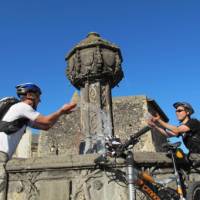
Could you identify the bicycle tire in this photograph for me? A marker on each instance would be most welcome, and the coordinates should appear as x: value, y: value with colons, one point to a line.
x: 168, y: 194
x: 193, y: 191
x: 140, y: 195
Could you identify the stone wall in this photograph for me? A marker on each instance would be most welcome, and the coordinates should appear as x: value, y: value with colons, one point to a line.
x: 76, y: 177
x: 63, y: 138
x: 129, y: 116
x: 60, y: 173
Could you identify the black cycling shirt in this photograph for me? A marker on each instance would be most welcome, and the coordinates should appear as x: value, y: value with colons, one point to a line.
x: 191, y: 138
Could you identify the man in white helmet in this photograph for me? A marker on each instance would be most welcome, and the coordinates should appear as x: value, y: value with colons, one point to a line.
x: 24, y: 114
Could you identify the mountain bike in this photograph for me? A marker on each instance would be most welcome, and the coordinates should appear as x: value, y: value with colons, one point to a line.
x: 141, y: 184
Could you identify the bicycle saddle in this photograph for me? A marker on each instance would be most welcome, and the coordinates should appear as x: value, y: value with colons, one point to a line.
x: 171, y: 146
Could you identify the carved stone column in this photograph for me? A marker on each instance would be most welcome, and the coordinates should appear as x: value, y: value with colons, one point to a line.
x: 94, y: 67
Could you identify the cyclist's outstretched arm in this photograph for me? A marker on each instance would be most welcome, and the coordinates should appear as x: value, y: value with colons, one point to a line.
x: 46, y: 122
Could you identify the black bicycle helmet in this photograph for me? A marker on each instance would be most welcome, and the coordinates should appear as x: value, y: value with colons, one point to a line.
x: 185, y: 105
x: 22, y: 89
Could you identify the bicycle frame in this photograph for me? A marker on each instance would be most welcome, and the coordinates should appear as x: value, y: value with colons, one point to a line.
x: 136, y: 177
x: 178, y: 180
x: 132, y: 179
x: 142, y: 180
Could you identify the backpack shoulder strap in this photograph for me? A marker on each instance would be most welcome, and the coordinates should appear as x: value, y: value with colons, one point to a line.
x: 12, y: 127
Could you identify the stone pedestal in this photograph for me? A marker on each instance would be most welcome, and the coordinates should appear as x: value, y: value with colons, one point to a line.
x: 96, y: 116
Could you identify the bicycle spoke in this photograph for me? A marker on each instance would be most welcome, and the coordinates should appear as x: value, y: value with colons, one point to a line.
x: 141, y: 196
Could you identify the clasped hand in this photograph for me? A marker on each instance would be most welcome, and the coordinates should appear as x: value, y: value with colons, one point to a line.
x: 153, y: 119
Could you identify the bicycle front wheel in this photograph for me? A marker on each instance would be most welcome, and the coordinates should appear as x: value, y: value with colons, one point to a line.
x: 193, y: 192
x: 139, y: 195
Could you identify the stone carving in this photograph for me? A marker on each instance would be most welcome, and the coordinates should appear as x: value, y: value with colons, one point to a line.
x: 93, y: 93
x: 27, y: 184
x: 82, y: 187
x: 97, y: 60
x: 94, y: 59
x: 95, y: 185
x: 77, y: 63
x: 103, y: 99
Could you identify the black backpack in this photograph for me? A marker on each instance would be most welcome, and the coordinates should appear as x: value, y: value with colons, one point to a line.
x: 14, y: 126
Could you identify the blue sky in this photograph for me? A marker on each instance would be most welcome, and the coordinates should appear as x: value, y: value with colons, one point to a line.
x: 159, y: 40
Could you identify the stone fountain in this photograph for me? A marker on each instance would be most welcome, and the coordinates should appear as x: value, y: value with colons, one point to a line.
x: 94, y: 67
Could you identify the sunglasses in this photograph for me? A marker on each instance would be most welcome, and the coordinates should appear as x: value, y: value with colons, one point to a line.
x: 179, y: 110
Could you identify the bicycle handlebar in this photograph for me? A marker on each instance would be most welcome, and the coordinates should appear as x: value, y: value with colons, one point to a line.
x: 117, y: 150
x: 133, y: 139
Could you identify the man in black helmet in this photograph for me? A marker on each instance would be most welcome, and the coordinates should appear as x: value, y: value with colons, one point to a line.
x: 29, y: 95
x: 189, y: 128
